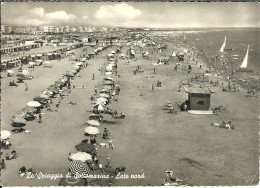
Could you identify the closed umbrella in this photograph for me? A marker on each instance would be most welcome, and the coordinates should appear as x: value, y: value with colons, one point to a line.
x: 85, y: 147
x: 81, y: 156
x: 91, y: 130
x: 5, y: 134
x: 93, y: 122
x: 34, y: 104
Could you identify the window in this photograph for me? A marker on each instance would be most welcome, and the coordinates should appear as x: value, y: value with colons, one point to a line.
x: 200, y: 102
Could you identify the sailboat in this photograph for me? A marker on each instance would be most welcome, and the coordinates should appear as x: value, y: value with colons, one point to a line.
x: 223, y: 45
x: 243, y: 66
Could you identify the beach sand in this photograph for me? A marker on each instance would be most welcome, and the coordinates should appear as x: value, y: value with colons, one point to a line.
x: 149, y: 140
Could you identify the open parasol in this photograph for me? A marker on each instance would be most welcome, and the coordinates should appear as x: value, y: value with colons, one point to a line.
x: 91, y: 130
x: 93, y: 122
x: 5, y: 134
x: 80, y: 156
x: 85, y: 147
x: 34, y: 104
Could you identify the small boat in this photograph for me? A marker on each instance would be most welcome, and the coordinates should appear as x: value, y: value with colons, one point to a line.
x: 243, y: 66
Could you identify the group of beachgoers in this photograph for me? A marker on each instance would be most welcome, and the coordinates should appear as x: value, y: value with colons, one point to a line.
x: 99, y: 101
x: 48, y: 100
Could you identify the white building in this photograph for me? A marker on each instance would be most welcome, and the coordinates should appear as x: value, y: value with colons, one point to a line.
x: 48, y: 29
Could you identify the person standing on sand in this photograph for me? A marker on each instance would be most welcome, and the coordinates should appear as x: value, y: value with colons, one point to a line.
x: 26, y: 87
x: 152, y: 87
x: 40, y: 118
x: 93, y: 77
x: 154, y: 70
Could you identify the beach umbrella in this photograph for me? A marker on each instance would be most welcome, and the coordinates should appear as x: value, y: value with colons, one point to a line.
x: 59, y: 83
x: 31, y: 63
x: 79, y: 64
x: 103, y: 95
x: 53, y: 90
x: 39, y: 99
x: 20, y: 76
x: 91, y: 130
x: 34, y: 104
x: 108, y: 78
x: 109, y: 81
x: 25, y: 72
x: 109, y: 68
x: 101, y: 99
x: 85, y: 147
x: 108, y: 73
x: 72, y: 182
x: 47, y: 93
x: 69, y: 74
x: 76, y: 67
x: 81, y: 156
x: 100, y: 107
x: 93, y: 122
x: 108, y: 86
x: 5, y: 134
x: 10, y: 71
x: 44, y: 96
x: 19, y: 122
x: 78, y: 167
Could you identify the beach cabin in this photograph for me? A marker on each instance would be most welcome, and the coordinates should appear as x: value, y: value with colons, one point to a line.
x: 198, y: 98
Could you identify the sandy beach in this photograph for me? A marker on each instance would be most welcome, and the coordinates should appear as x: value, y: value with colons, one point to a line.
x: 149, y: 140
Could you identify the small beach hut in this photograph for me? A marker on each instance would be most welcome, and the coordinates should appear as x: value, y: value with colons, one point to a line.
x: 198, y: 98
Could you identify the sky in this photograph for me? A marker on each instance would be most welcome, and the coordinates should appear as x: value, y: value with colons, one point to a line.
x: 133, y: 14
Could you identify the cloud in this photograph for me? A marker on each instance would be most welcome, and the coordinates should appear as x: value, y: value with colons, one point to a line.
x: 37, y: 16
x: 84, y: 17
x: 59, y: 16
x: 37, y: 12
x: 119, y: 12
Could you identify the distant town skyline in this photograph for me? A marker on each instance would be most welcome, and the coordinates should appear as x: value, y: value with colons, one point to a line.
x: 132, y: 14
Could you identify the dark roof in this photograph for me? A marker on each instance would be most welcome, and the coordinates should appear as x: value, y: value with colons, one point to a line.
x: 204, y: 90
